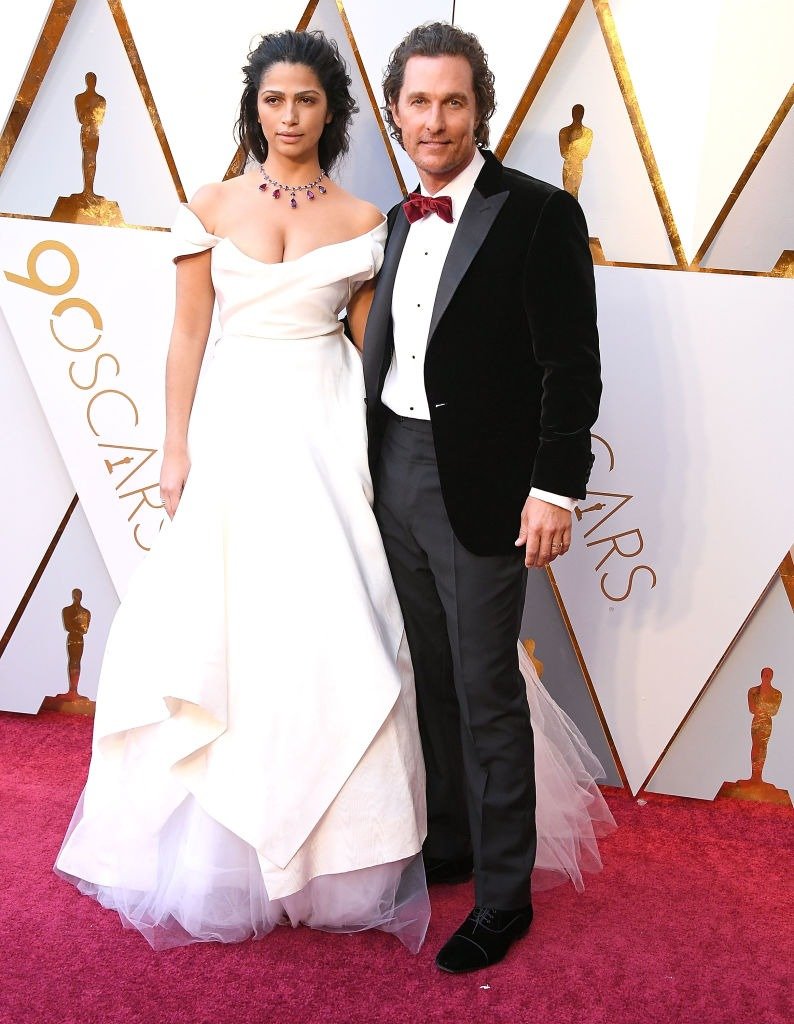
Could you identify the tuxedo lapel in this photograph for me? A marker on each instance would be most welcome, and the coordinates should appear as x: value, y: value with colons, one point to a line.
x: 478, y: 215
x: 378, y: 329
x: 481, y: 210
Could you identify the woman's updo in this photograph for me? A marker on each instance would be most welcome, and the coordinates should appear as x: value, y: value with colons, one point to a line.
x: 314, y: 50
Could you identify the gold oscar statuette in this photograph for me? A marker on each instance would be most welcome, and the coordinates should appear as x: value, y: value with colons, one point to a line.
x: 87, y: 207
x: 575, y: 142
x: 576, y: 139
x: 529, y: 647
x: 764, y: 703
x: 76, y: 621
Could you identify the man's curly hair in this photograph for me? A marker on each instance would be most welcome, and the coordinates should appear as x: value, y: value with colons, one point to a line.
x: 439, y: 39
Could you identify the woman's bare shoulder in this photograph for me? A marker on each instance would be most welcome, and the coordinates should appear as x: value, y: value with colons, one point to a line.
x: 209, y: 201
x: 361, y: 215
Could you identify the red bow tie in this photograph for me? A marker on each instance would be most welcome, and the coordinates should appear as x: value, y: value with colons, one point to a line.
x: 417, y: 206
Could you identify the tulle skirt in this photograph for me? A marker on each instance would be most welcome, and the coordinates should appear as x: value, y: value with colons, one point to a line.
x: 571, y: 813
x: 256, y: 756
x: 210, y: 888
x: 209, y: 884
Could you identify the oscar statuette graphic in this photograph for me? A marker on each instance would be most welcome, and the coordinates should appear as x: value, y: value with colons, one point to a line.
x: 575, y: 142
x: 87, y: 207
x: 529, y: 647
x: 764, y: 703
x: 76, y: 620
x: 598, y: 507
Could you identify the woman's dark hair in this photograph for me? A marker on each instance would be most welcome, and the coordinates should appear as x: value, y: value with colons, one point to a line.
x: 438, y: 39
x: 315, y: 51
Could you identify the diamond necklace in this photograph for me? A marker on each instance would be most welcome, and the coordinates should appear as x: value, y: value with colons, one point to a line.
x: 279, y: 187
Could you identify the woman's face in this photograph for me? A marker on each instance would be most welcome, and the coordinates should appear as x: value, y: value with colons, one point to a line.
x: 292, y: 109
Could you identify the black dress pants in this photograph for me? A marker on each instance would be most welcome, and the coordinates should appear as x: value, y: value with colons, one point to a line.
x: 462, y: 618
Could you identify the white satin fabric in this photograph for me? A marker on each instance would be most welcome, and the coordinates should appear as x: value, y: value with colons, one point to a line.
x: 255, y: 724
x: 256, y: 758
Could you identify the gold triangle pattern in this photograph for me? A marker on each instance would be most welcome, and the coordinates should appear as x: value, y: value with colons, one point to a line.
x: 54, y: 28
x: 45, y: 559
x: 707, y: 683
x: 55, y: 25
x: 787, y: 576
x: 744, y: 177
x: 370, y: 95
x: 538, y: 77
x: 588, y: 680
x: 612, y: 40
x: 47, y: 45
x: 131, y: 50
x: 607, y: 23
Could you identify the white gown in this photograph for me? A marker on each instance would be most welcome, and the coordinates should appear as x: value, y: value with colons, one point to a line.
x: 255, y: 757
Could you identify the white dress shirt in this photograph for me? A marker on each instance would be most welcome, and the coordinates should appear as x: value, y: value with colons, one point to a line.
x: 415, y: 287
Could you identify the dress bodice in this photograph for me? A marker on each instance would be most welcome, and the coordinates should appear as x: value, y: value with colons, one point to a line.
x: 293, y: 300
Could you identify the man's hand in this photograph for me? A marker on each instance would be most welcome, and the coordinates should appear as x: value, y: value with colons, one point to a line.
x: 546, y: 531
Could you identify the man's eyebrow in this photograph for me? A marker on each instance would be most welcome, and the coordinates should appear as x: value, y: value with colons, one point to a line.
x: 447, y: 96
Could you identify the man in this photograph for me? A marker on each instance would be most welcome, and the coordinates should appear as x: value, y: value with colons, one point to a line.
x: 482, y: 372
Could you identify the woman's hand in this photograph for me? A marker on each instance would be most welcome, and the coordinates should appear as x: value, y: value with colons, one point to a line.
x: 173, y: 475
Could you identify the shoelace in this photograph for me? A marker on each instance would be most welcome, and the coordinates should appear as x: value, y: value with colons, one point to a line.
x: 482, y: 916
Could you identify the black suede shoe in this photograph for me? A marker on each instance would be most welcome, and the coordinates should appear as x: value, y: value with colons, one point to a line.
x: 439, y: 871
x: 483, y: 939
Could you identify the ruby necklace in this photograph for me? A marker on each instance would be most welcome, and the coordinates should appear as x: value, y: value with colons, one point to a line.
x: 279, y: 187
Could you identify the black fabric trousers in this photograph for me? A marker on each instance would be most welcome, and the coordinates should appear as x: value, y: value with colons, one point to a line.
x: 462, y: 618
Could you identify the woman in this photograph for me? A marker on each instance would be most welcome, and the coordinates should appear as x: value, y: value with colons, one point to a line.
x: 256, y: 758
x: 255, y: 752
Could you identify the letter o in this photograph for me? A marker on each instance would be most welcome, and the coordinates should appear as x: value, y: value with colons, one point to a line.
x: 87, y: 307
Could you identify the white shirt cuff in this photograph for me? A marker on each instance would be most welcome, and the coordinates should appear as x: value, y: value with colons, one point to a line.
x: 553, y: 499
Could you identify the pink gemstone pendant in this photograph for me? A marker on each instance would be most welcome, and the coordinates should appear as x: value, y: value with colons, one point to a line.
x: 275, y: 188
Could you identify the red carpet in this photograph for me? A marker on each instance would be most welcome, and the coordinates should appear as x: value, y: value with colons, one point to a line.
x: 691, y: 921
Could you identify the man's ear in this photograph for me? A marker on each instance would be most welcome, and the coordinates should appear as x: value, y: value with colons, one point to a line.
x: 394, y: 115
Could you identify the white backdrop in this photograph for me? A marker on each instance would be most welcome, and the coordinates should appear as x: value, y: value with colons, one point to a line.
x: 95, y: 352
x: 690, y: 108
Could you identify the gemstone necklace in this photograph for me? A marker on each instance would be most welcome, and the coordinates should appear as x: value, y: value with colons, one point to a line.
x: 279, y: 187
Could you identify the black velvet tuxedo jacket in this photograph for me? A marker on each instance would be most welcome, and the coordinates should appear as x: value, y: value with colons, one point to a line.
x: 512, y: 370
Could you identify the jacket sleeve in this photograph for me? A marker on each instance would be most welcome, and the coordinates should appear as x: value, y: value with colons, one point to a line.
x: 560, y: 302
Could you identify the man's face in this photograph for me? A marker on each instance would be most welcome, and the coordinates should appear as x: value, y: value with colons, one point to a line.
x: 437, y: 114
